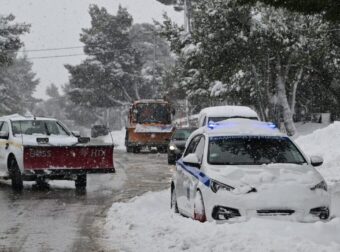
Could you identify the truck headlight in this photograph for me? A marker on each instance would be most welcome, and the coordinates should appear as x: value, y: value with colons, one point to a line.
x: 172, y: 147
x: 322, y: 185
x: 215, y: 186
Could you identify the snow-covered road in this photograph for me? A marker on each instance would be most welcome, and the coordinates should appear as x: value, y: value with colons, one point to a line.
x: 61, y: 220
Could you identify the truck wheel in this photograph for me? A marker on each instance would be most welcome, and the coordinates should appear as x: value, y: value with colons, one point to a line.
x: 15, y: 175
x: 136, y: 149
x: 80, y: 182
x: 129, y: 149
x: 163, y: 149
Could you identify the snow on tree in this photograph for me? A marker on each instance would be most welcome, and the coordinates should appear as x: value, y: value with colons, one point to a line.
x: 253, y: 55
x: 109, y: 76
x: 328, y: 8
x: 17, y: 81
x: 125, y: 62
x: 10, y: 42
x: 17, y: 85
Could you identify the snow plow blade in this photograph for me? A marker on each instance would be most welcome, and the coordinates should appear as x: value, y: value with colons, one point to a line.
x: 91, y: 159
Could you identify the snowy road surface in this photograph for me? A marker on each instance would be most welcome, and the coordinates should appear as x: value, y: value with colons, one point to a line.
x: 60, y: 220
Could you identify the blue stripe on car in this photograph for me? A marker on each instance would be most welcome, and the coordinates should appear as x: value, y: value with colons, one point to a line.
x: 196, y: 173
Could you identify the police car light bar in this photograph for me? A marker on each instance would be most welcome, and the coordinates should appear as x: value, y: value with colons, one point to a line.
x: 213, y: 125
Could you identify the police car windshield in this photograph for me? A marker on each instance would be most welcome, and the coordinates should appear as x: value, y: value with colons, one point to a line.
x: 38, y: 127
x: 252, y: 150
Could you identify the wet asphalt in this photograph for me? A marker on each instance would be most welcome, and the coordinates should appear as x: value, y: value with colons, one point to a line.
x: 62, y: 219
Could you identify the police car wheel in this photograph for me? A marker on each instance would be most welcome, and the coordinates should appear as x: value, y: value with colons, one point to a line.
x: 173, y: 203
x: 15, y: 174
x: 199, y: 210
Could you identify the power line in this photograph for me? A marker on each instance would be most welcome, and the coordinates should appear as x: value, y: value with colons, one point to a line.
x: 57, y: 56
x: 52, y: 49
x: 23, y: 50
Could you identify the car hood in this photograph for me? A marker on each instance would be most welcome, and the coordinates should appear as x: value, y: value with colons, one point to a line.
x: 244, y: 178
x: 53, y: 140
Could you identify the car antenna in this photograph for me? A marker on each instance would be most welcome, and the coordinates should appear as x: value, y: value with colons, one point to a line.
x: 111, y: 137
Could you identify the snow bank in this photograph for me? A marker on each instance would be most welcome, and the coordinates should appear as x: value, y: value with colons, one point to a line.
x: 326, y: 143
x: 147, y: 224
x: 118, y: 138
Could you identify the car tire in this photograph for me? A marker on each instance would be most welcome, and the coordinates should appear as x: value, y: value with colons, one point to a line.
x: 81, y: 182
x: 173, y: 201
x: 171, y: 161
x: 162, y: 149
x: 129, y: 149
x: 15, y: 175
x: 199, y: 210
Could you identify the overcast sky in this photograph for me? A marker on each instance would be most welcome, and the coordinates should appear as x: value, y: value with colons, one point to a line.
x: 58, y: 23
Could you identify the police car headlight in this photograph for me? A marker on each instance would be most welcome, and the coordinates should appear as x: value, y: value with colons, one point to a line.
x: 172, y: 147
x: 322, y: 185
x: 215, y: 186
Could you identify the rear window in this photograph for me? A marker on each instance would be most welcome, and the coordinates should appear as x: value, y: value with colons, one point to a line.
x: 182, y: 134
x: 222, y: 118
x: 252, y: 150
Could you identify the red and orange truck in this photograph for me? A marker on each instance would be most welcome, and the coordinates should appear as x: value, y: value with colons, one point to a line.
x: 149, y: 125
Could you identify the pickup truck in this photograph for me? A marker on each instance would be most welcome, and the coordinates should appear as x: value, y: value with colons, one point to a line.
x: 39, y: 149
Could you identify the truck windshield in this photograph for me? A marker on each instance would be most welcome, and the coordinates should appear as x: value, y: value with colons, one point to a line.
x: 252, y: 150
x: 38, y: 127
x: 153, y: 113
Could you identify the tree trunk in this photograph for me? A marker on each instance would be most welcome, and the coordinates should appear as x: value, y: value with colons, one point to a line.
x: 259, y: 94
x: 295, y: 85
x: 283, y: 101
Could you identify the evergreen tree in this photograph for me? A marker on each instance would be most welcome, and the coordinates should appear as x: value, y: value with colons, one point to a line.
x: 110, y: 75
x: 252, y: 55
x: 17, y: 85
x: 10, y: 42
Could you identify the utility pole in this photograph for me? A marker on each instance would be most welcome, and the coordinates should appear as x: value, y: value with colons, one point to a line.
x: 187, y: 27
x: 187, y: 15
x: 154, y: 64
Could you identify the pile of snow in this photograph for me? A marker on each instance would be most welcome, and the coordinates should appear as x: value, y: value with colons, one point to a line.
x: 118, y: 138
x: 228, y: 111
x: 307, y: 128
x: 147, y: 224
x: 326, y: 143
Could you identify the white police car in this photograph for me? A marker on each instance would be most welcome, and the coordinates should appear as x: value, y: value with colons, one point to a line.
x: 239, y: 168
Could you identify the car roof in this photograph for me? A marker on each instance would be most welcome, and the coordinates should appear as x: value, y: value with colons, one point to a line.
x: 17, y: 117
x: 239, y: 127
x: 229, y: 111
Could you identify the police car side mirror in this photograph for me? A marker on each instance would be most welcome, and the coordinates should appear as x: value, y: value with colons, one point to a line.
x: 316, y: 160
x: 192, y: 160
x: 4, y: 135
